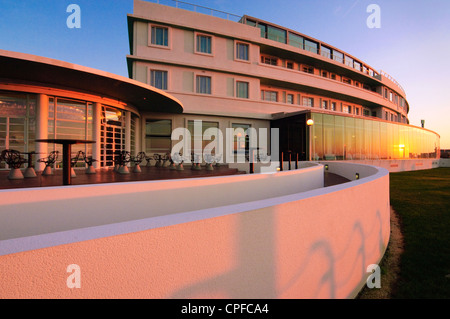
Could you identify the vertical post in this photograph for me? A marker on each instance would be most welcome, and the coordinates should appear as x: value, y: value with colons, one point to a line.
x: 67, y: 147
x: 281, y: 161
x: 296, y: 162
x: 290, y: 153
x: 41, y: 129
x: 96, y: 131
x: 252, y: 167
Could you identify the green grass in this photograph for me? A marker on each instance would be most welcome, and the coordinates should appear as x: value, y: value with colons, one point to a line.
x: 422, y: 201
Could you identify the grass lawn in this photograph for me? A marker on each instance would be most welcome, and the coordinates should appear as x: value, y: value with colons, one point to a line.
x: 422, y: 201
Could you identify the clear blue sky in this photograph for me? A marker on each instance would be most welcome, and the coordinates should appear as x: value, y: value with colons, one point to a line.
x: 412, y: 45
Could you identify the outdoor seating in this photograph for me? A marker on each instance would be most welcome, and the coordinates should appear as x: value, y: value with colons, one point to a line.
x: 80, y: 156
x: 121, y: 160
x: 196, y: 164
x: 149, y: 158
x: 14, y: 160
x: 49, y: 161
x: 209, y: 159
x: 137, y: 160
x: 90, y: 161
x: 177, y: 161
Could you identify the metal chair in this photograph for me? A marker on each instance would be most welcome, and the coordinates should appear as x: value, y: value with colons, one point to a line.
x: 121, y: 160
x: 74, y: 160
x: 90, y: 161
x: 14, y: 160
x: 137, y: 160
x: 49, y: 161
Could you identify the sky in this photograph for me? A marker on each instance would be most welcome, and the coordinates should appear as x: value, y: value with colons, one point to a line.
x: 412, y: 43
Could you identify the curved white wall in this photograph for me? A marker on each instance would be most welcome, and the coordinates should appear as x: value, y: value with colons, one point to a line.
x: 308, y: 244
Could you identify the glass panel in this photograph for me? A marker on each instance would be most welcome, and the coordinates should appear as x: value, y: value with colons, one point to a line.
x: 158, y: 79
x: 338, y: 56
x: 350, y: 139
x: 160, y: 36
x: 317, y: 136
x: 311, y: 46
x: 204, y: 44
x: 295, y: 40
x: 242, y: 51
x: 242, y: 89
x: 276, y: 34
x: 329, y: 145
x: 204, y: 84
x: 326, y: 52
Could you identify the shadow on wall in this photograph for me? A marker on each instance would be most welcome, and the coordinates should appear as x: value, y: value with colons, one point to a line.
x: 316, y: 269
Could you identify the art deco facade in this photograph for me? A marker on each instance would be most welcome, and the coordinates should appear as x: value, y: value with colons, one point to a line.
x: 252, y: 73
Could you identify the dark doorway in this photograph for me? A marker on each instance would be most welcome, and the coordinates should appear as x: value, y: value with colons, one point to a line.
x: 293, y: 136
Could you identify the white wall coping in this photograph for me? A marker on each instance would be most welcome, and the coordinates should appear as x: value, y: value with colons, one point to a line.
x: 15, y: 245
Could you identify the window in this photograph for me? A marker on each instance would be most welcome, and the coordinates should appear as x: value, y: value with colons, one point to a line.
x: 295, y: 40
x: 366, y: 112
x: 158, y: 136
x: 325, y: 74
x: 290, y: 65
x: 269, y: 60
x: 333, y: 76
x: 311, y: 46
x: 203, y: 84
x: 160, y: 36
x: 345, y: 80
x: 276, y: 34
x: 338, y: 56
x: 347, y: 109
x: 204, y: 44
x: 269, y: 96
x: 290, y: 99
x: 348, y: 61
x: 325, y: 105
x: 308, y: 101
x: 158, y: 79
x: 308, y: 69
x: 326, y: 52
x: 333, y: 106
x: 241, y: 137
x: 242, y: 51
x: 242, y: 89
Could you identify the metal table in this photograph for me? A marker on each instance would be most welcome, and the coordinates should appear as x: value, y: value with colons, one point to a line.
x: 67, y: 150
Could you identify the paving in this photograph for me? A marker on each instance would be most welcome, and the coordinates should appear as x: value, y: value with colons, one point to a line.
x: 147, y: 174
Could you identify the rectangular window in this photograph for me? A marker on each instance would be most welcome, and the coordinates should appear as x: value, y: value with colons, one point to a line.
x: 308, y: 69
x: 311, y: 46
x: 276, y: 34
x: 325, y: 74
x: 271, y: 96
x: 308, y: 101
x: 290, y: 65
x: 158, y: 136
x: 160, y: 36
x: 366, y: 112
x: 204, y: 44
x: 295, y: 40
x: 325, y: 105
x: 348, y: 61
x: 345, y: 80
x: 269, y: 60
x: 333, y: 106
x: 242, y: 89
x: 338, y: 56
x: 158, y: 79
x: 242, y: 51
x: 290, y: 98
x: 326, y: 52
x: 203, y: 84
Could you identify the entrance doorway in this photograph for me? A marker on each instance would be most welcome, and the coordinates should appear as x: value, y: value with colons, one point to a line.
x: 112, y: 136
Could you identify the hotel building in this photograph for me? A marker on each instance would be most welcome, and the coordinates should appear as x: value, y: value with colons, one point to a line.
x: 253, y: 73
